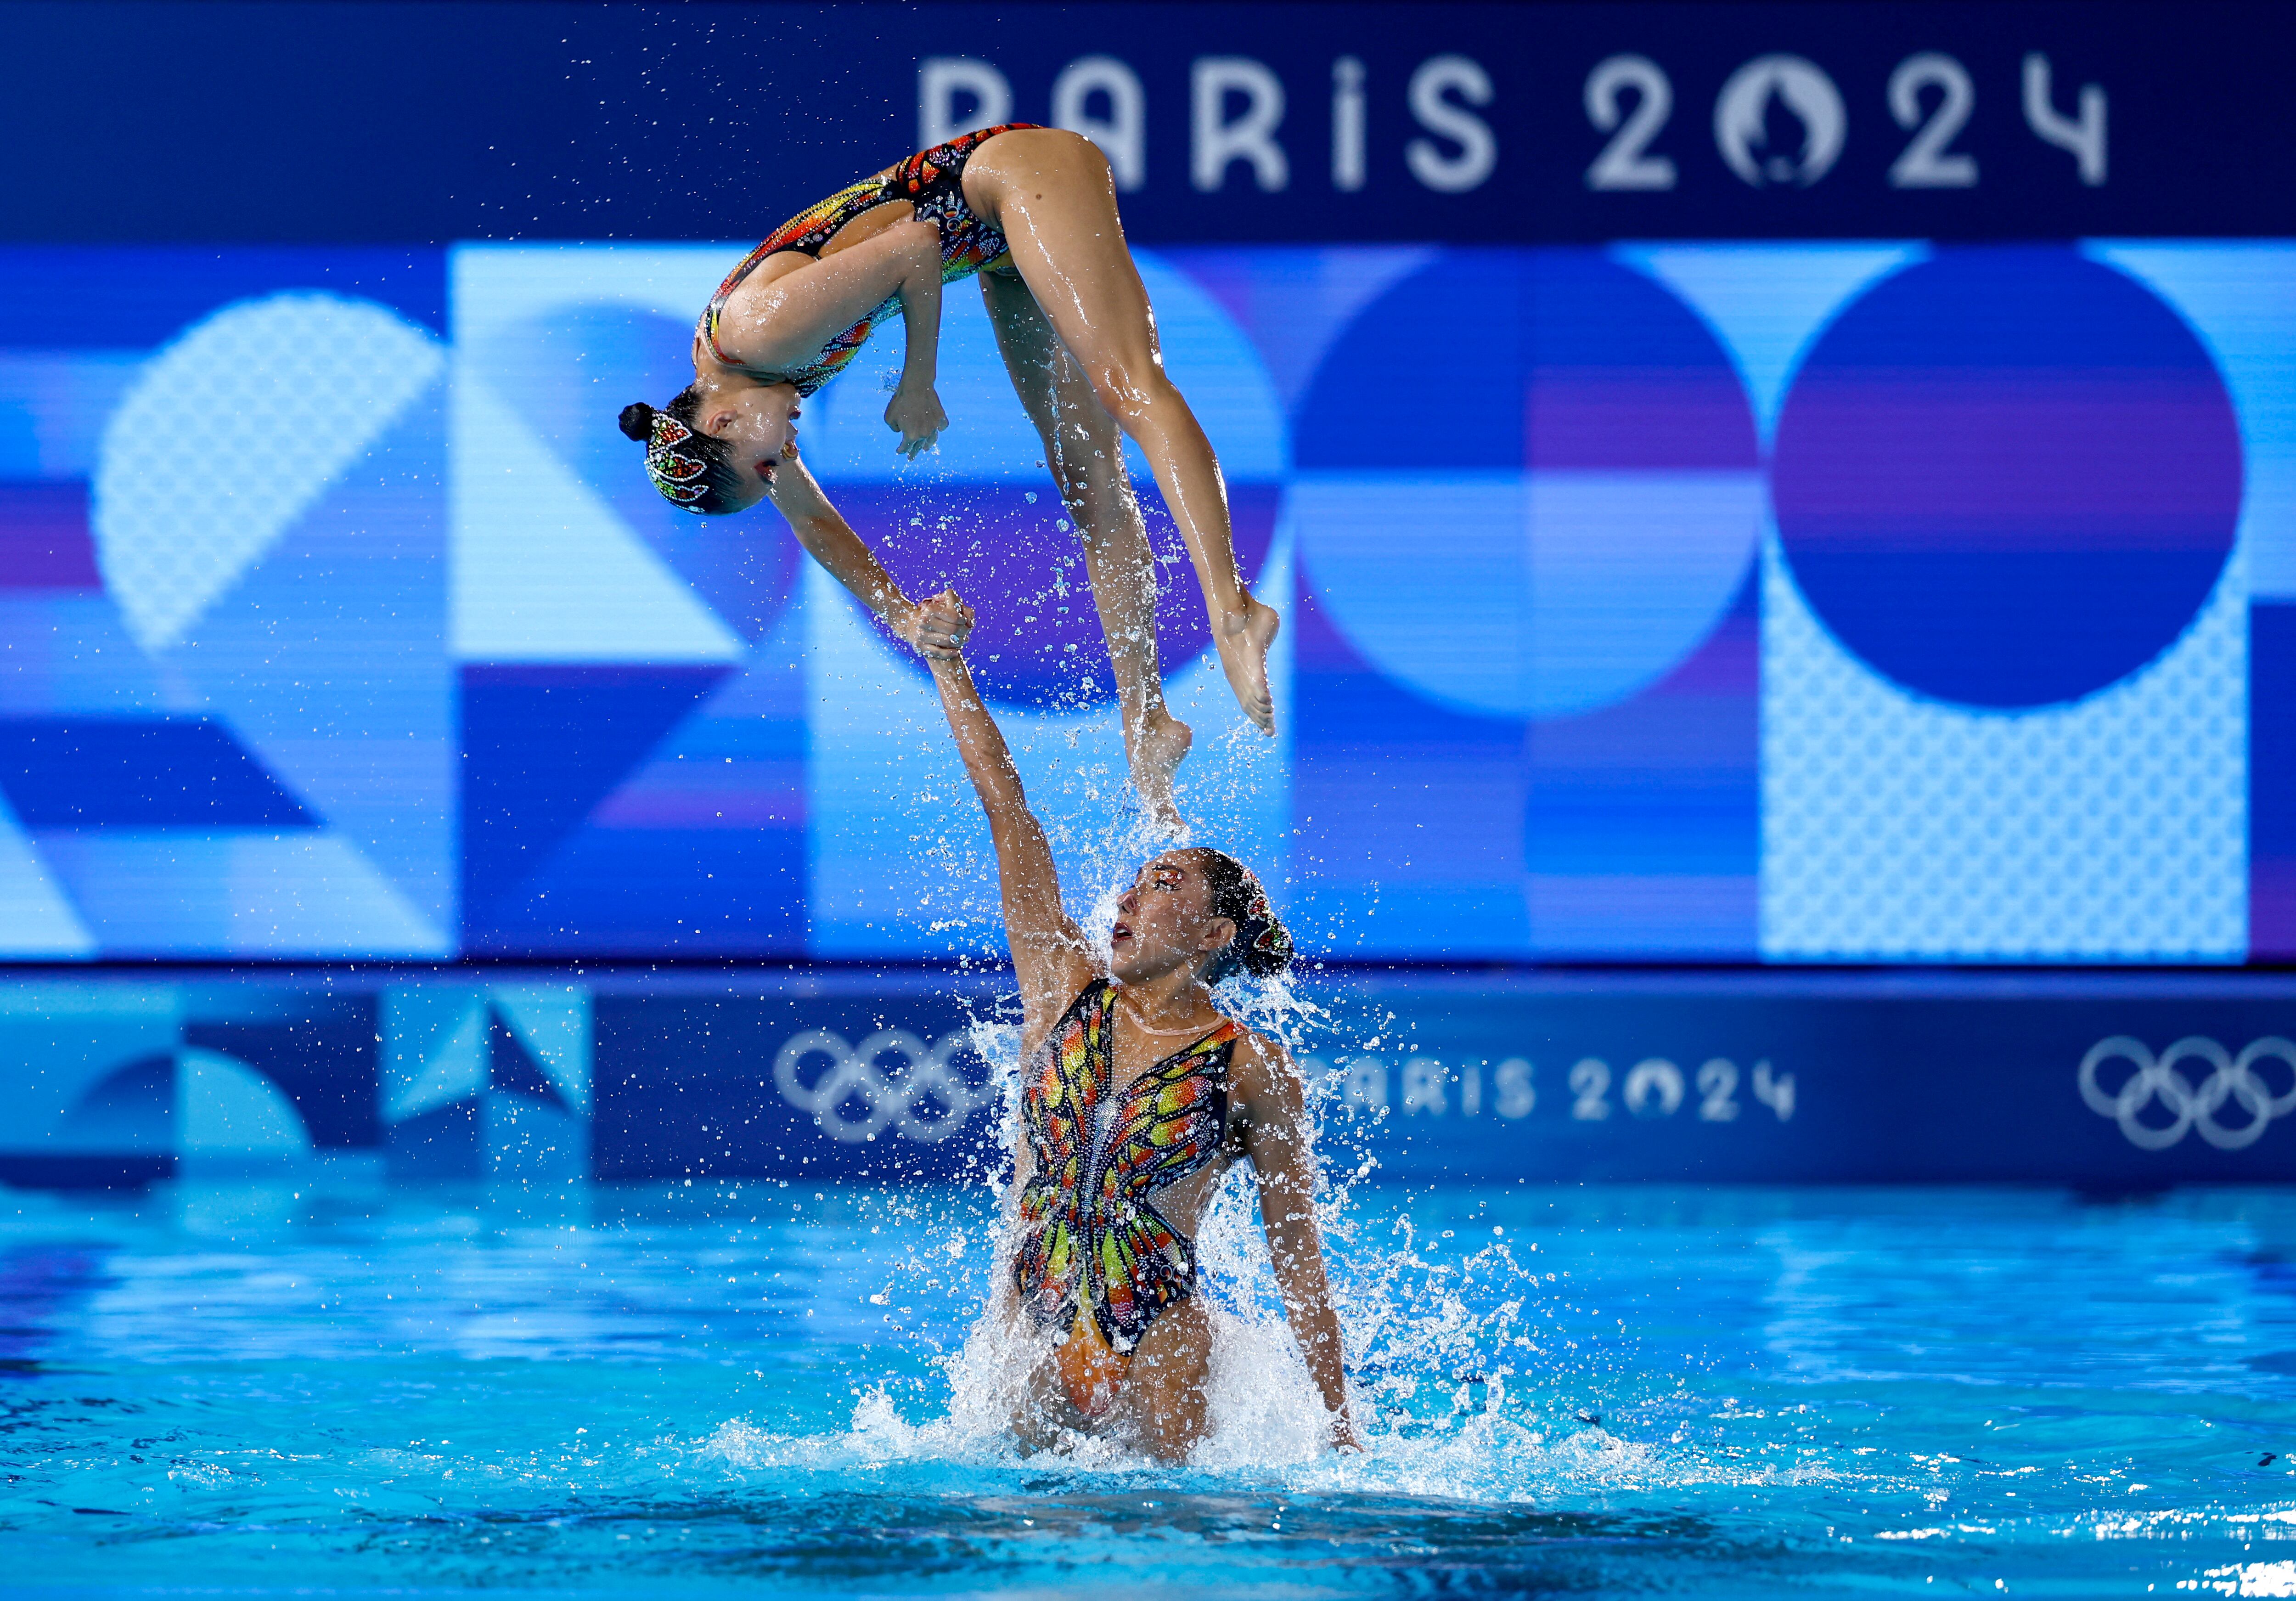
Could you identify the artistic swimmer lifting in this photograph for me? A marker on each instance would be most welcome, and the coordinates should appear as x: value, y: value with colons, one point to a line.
x: 1032, y: 211
x: 1137, y: 1096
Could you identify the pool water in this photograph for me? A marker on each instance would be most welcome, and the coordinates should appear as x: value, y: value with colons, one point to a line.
x: 320, y: 1382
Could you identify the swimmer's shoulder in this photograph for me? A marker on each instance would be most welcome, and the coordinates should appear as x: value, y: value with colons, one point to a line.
x: 1063, y: 972
x: 1258, y: 1045
x: 1261, y: 1063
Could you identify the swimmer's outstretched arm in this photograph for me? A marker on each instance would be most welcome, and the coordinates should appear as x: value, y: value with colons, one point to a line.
x: 1276, y: 1139
x: 831, y: 541
x: 1048, y: 948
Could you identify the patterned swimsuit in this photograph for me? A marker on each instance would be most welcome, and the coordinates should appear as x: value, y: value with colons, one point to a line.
x: 933, y: 181
x: 1093, y: 1239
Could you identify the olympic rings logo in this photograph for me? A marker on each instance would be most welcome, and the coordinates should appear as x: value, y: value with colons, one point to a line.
x: 854, y: 1095
x: 2231, y: 1081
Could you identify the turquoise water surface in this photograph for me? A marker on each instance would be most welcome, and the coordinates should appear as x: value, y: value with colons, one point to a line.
x: 314, y: 1383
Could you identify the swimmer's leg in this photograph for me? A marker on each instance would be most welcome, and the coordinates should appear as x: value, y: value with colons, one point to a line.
x: 1041, y: 1419
x: 1052, y: 194
x: 1163, y: 1405
x: 1086, y: 454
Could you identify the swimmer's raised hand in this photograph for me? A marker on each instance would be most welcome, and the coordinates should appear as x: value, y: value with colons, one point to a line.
x: 937, y: 627
x: 914, y: 413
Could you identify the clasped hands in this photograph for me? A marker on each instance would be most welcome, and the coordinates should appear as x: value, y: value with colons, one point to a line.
x: 936, y: 627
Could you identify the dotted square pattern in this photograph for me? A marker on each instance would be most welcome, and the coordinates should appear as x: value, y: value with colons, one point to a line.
x: 1895, y: 827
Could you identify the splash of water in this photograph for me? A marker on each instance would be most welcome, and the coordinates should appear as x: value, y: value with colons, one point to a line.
x: 1432, y: 1344
x: 1435, y: 1344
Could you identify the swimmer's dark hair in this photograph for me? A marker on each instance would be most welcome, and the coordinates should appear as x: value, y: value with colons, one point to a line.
x: 1262, y: 946
x: 694, y: 470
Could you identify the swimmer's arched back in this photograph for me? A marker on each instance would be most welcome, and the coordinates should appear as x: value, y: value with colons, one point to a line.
x: 1032, y: 212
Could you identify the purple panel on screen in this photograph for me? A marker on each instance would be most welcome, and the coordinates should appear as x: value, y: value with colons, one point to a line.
x: 2272, y: 783
x: 1038, y: 639
x: 44, y: 1287
x: 1623, y: 376
x: 728, y: 799
x: 2007, y: 477
x: 1966, y: 464
x: 1622, y: 421
x: 43, y: 536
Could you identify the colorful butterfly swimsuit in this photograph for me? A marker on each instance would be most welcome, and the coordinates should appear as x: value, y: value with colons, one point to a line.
x: 1093, y: 1239
x: 933, y: 181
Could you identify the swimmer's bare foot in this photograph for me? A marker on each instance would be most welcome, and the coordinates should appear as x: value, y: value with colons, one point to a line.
x: 1244, y: 638
x: 1156, y: 752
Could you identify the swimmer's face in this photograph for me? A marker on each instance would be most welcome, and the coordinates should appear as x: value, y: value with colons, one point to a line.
x: 1164, y: 921
x: 759, y: 423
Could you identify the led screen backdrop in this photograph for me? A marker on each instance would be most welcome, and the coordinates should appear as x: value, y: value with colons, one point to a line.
x: 1800, y: 602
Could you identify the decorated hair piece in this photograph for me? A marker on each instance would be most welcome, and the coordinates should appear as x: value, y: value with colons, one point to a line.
x: 693, y: 471
x: 1271, y: 942
x: 678, y: 474
x: 1262, y: 945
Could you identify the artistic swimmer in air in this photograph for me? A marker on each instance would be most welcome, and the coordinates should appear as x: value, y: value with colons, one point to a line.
x: 1032, y: 210
x: 1137, y: 1097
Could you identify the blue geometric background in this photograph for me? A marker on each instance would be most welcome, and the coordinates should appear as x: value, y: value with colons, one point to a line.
x: 1722, y: 602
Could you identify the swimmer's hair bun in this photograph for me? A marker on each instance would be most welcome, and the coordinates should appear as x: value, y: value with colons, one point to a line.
x: 637, y: 421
